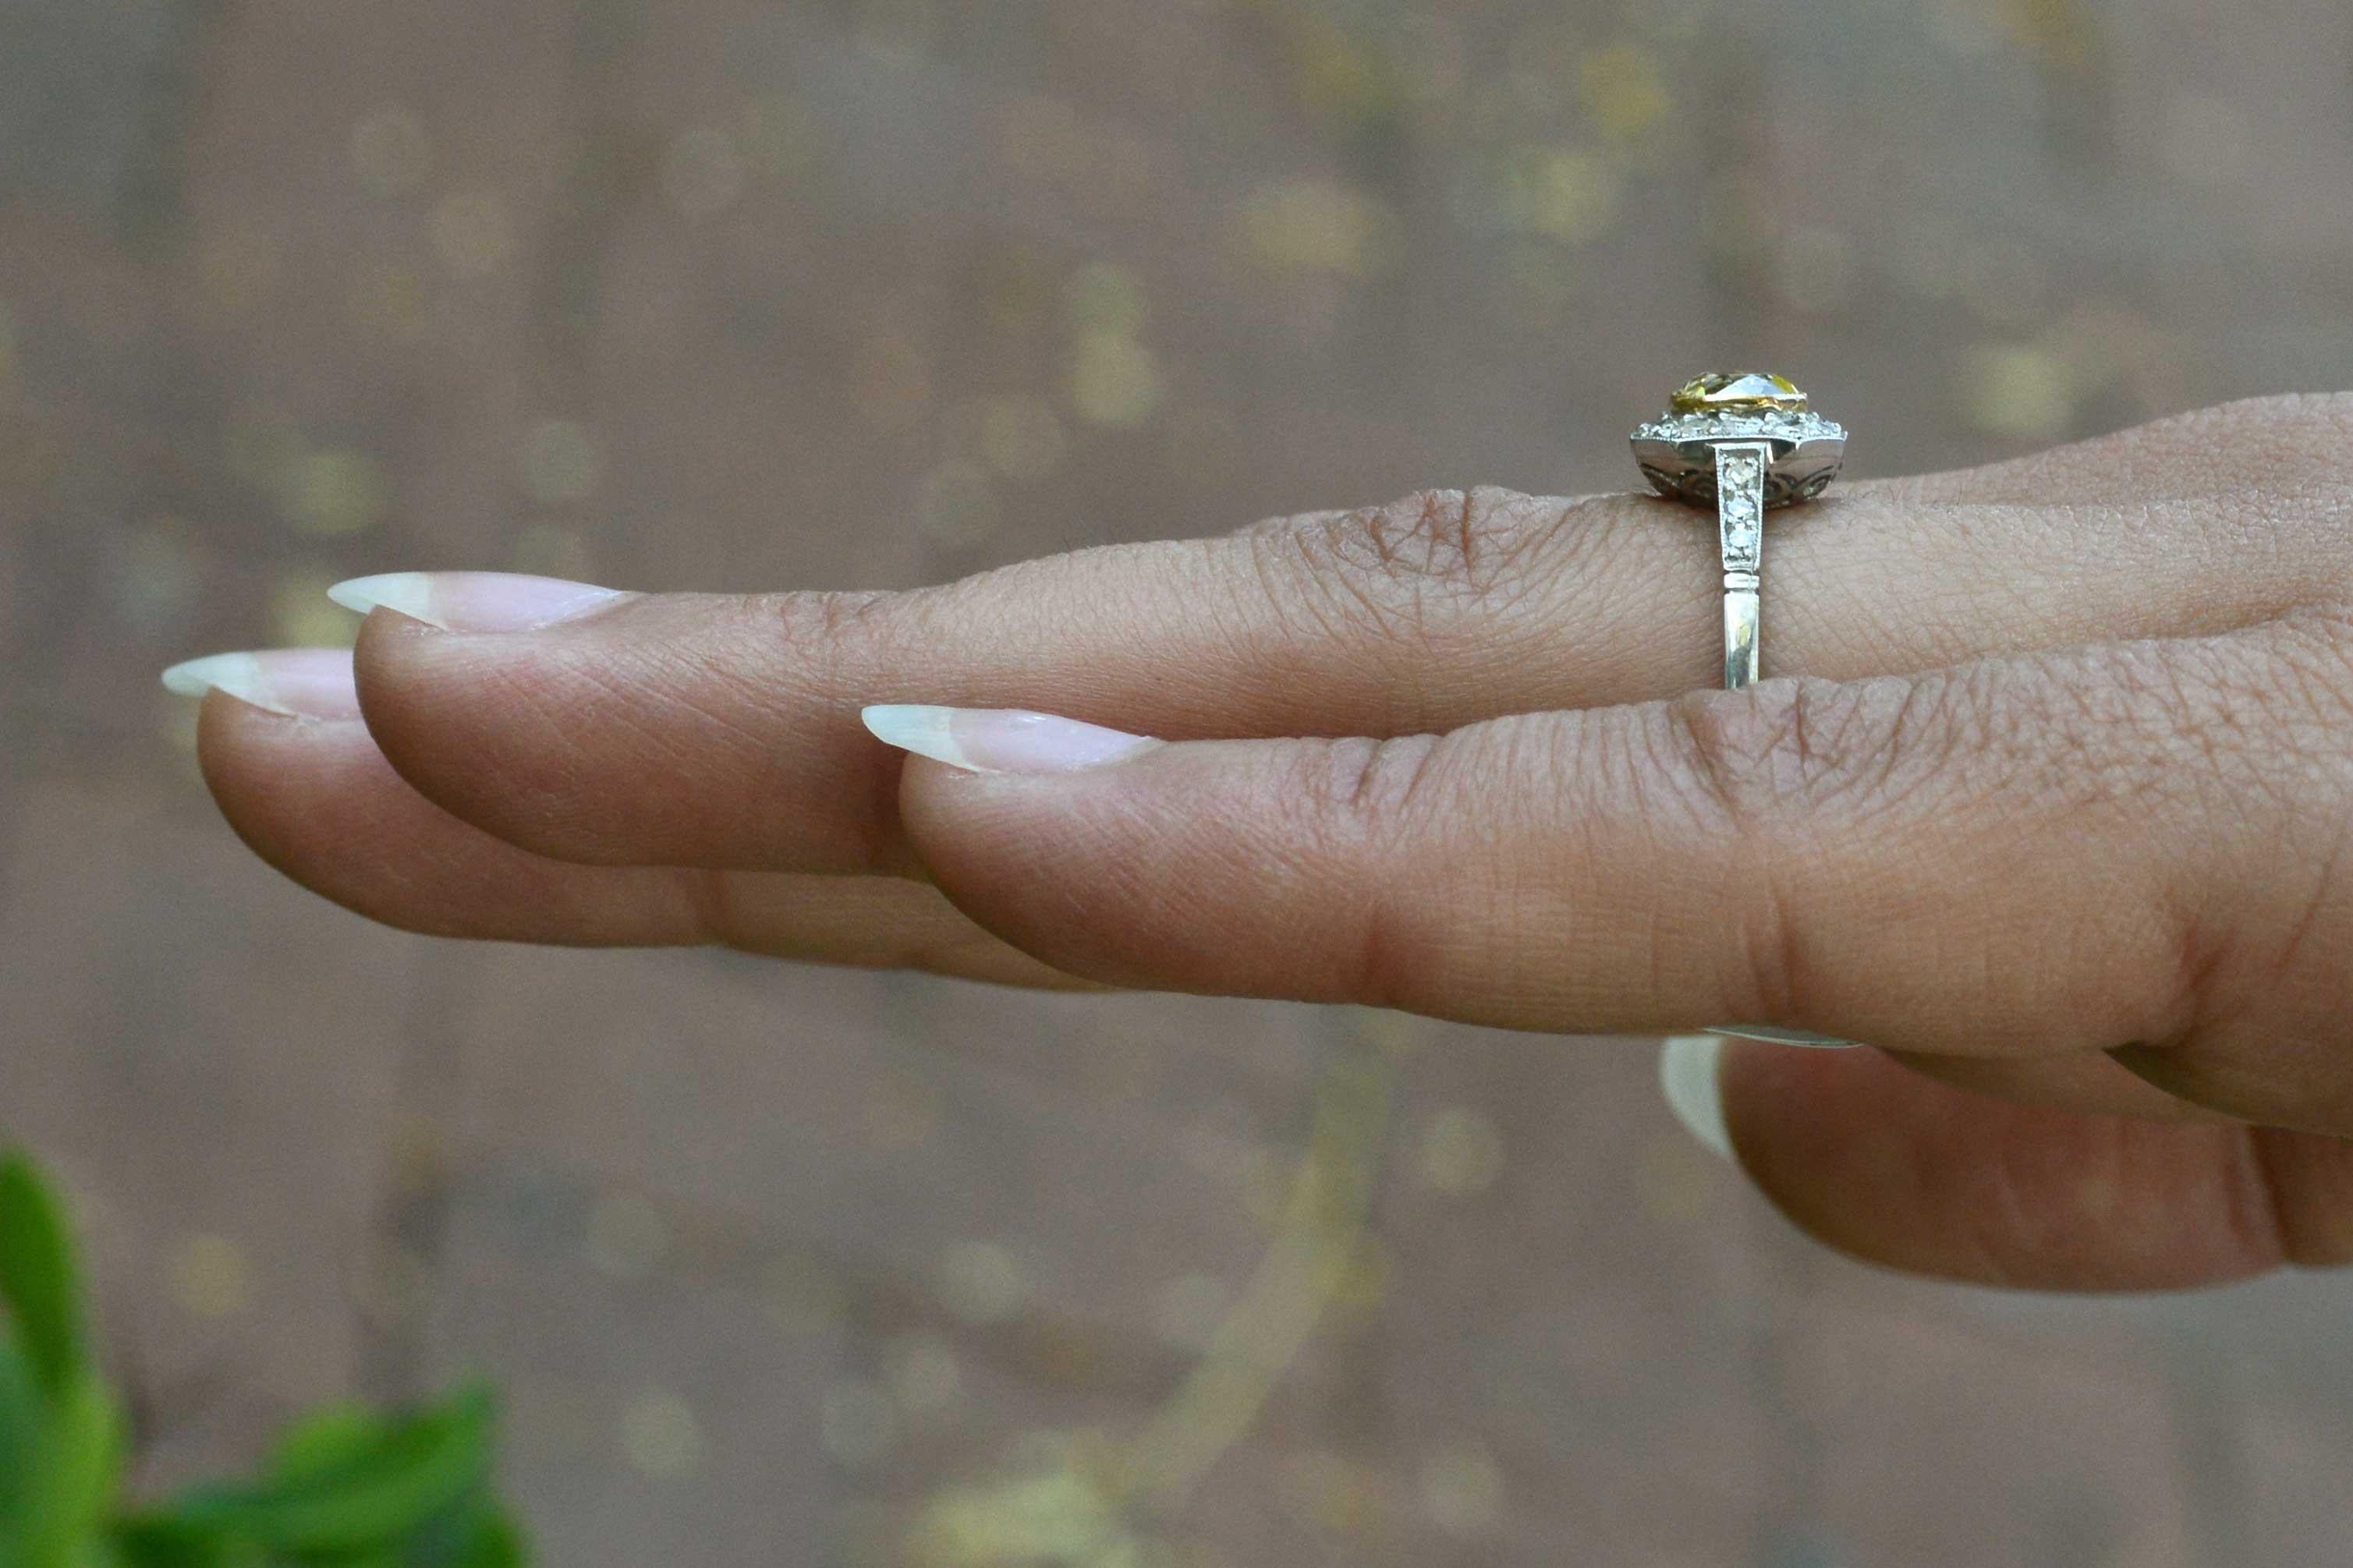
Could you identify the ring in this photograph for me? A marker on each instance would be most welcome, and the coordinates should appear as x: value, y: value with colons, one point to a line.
x: 1742, y: 444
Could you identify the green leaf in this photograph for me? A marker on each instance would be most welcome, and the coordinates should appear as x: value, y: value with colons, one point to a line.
x: 39, y: 1280
x: 353, y: 1491
x: 71, y: 1483
x: 330, y: 1436
x: 20, y: 1433
x: 478, y: 1534
x: 162, y: 1541
x: 496, y: 1541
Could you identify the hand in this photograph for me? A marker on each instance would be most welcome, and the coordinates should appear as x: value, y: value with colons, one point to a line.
x: 2052, y: 802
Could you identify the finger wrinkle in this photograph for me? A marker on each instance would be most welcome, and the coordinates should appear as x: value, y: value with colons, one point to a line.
x: 711, y: 896
x: 2260, y: 1215
x: 2308, y: 1183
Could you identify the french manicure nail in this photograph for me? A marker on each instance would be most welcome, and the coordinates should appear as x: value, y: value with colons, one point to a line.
x: 297, y: 682
x: 1688, y: 1067
x: 473, y: 600
x: 1002, y: 740
x: 1781, y: 1036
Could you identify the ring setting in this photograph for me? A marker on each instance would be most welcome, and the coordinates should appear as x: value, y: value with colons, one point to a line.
x: 1742, y: 444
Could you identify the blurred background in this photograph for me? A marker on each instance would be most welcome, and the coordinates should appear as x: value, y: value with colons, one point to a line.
x: 795, y: 1267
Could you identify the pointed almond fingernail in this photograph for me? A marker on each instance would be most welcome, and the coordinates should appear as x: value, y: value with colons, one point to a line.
x: 297, y: 682
x: 1688, y: 1075
x: 1002, y: 740
x: 474, y: 601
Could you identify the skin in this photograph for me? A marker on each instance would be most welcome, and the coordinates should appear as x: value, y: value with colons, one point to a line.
x: 2050, y: 798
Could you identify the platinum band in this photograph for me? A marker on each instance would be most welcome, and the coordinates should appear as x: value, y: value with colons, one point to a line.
x: 1740, y: 533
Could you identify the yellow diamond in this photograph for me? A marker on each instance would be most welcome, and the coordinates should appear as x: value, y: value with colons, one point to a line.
x: 1745, y: 393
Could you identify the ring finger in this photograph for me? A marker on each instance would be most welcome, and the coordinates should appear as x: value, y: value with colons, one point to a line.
x: 721, y: 731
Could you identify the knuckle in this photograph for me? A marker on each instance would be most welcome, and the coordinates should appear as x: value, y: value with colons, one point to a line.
x: 1371, y: 790
x: 1773, y: 774
x: 2265, y: 717
x: 1358, y: 801
x: 1790, y: 747
x: 1406, y: 563
x: 823, y: 626
x: 2311, y: 666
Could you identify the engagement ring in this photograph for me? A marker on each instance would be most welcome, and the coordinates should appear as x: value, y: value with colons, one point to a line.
x: 1742, y: 444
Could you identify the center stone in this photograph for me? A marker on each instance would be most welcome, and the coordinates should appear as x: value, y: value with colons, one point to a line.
x: 1745, y: 391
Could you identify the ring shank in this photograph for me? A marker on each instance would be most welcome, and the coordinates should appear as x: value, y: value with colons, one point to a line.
x: 1740, y: 619
x: 1740, y: 468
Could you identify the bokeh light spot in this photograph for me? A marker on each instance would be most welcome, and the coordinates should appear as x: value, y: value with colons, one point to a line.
x: 300, y: 614
x: 2018, y: 390
x: 659, y: 1435
x: 1462, y: 1151
x: 159, y: 577
x: 334, y: 492
x: 924, y: 1376
x: 1463, y: 1489
x: 209, y: 1276
x: 981, y: 1282
x: 558, y: 462
x: 1320, y: 225
x: 1563, y: 193
x: 1623, y: 90
x: 1113, y: 380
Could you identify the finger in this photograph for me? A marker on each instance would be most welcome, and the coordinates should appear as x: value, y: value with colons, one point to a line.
x: 2024, y: 858
x: 2090, y: 1083
x: 304, y: 786
x: 1898, y: 1170
x: 690, y: 730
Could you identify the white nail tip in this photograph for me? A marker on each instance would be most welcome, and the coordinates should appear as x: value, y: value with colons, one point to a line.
x: 238, y: 674
x: 927, y: 731
x: 1688, y: 1076
x: 1780, y: 1036
x: 409, y: 592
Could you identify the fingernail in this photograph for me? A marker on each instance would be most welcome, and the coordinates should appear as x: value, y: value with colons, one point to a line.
x: 298, y: 682
x: 473, y: 600
x: 1687, y: 1075
x: 1782, y: 1036
x: 1002, y: 740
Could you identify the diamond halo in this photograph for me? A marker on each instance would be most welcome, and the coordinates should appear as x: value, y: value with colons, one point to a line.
x: 1676, y: 450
